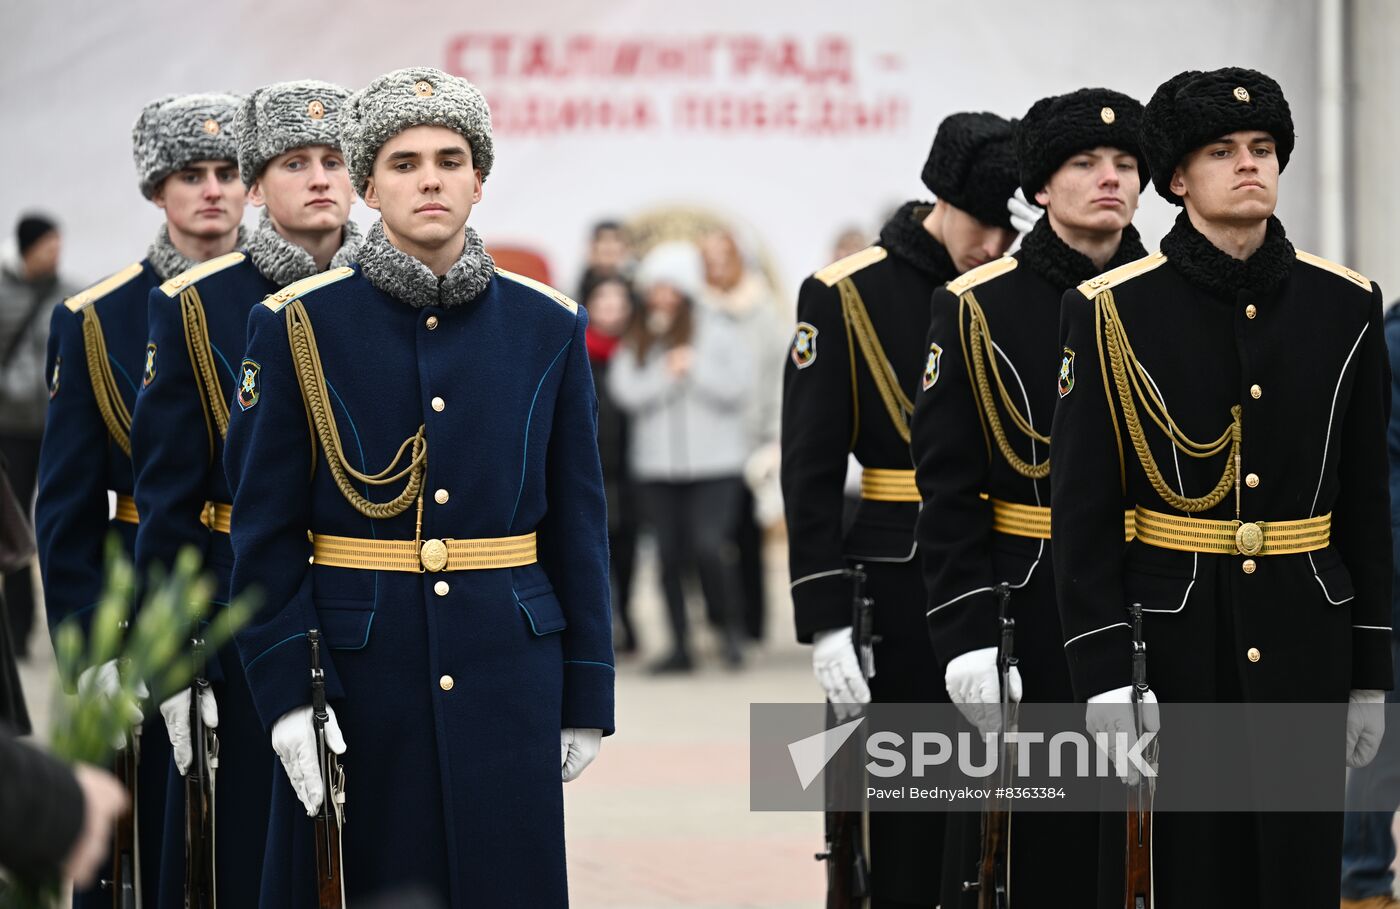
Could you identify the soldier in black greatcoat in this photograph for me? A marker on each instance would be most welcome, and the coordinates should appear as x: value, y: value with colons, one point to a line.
x: 1233, y: 391
x: 981, y: 447
x: 851, y: 376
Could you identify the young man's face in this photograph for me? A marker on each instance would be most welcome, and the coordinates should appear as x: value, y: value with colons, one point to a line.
x: 306, y: 190
x: 424, y: 186
x: 1095, y: 190
x: 41, y: 258
x: 1232, y: 179
x: 969, y: 242
x: 203, y: 199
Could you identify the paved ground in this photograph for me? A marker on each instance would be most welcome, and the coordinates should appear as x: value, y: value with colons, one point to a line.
x: 662, y: 818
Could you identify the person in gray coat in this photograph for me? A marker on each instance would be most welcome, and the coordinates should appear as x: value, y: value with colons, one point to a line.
x: 683, y: 373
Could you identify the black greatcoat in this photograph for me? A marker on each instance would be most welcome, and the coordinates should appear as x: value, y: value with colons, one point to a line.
x: 958, y: 462
x: 831, y: 408
x: 1297, y: 343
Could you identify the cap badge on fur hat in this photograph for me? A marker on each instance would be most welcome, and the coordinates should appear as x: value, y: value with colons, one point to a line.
x: 1241, y: 94
x: 316, y: 110
x: 423, y: 89
x: 1107, y: 115
x: 211, y: 126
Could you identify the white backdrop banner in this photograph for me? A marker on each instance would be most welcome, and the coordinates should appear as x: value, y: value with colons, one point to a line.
x: 785, y: 120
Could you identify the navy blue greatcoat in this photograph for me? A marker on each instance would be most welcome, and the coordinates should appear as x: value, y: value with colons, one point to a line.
x: 178, y: 450
x: 450, y: 687
x: 79, y: 463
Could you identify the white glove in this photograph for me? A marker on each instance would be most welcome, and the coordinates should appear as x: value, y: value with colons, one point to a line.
x: 1365, y: 725
x: 105, y: 681
x: 577, y: 749
x: 1111, y: 713
x: 1024, y: 213
x: 837, y: 668
x: 294, y: 740
x: 974, y: 685
x: 176, y: 710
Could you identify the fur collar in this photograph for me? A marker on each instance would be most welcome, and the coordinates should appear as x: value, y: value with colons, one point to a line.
x: 281, y: 261
x: 904, y: 236
x: 169, y: 261
x: 403, y: 277
x: 1220, y: 273
x: 1062, y: 265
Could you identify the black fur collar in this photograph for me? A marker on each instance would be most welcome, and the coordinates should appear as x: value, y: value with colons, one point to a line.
x: 1206, y: 266
x: 1063, y: 266
x: 905, y: 237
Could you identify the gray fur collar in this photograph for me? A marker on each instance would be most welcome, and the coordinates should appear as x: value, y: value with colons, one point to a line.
x: 169, y: 261
x: 281, y: 261
x: 403, y: 277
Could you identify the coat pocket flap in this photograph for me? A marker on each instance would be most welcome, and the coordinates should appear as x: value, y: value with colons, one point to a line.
x: 543, y: 612
x: 345, y: 629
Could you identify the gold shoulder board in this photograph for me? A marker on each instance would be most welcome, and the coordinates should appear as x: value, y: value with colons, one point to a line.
x: 981, y: 274
x: 1356, y: 278
x: 1110, y: 279
x: 203, y: 270
x: 103, y: 288
x: 543, y: 288
x: 844, y: 268
x: 303, y: 287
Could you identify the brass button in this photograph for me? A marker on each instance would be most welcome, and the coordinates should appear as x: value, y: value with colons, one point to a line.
x: 1251, y: 311
x: 1248, y: 566
x: 439, y: 404
x: 440, y: 497
x: 446, y: 683
x: 441, y: 588
x: 431, y: 322
x: 1255, y: 391
x: 1251, y: 480
x: 1253, y: 654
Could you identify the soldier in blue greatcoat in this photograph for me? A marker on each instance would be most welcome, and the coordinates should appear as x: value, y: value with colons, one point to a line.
x: 290, y: 161
x: 415, y: 475
x: 186, y: 160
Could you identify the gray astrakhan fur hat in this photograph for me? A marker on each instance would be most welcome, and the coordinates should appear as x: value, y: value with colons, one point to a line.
x: 416, y: 96
x: 277, y: 118
x: 177, y: 130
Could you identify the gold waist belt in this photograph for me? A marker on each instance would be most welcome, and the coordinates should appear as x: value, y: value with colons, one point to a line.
x: 429, y: 555
x: 1034, y: 520
x: 126, y: 510
x: 1248, y: 538
x: 215, y: 516
x: 880, y: 485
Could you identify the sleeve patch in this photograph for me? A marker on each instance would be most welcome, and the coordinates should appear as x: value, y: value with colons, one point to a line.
x: 148, y: 375
x: 935, y: 356
x: 804, y: 345
x: 53, y: 380
x: 1067, y: 373
x: 249, y: 389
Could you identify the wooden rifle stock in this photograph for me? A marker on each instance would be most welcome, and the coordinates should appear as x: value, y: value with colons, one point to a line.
x: 847, y: 864
x: 993, y: 884
x: 330, y: 872
x: 199, y: 796
x: 1138, y: 856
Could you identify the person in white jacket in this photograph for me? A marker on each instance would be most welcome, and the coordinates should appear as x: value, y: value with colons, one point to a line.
x: 684, y: 373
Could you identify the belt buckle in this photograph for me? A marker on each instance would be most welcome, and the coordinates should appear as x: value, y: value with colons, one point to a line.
x: 433, y: 555
x: 1249, y: 538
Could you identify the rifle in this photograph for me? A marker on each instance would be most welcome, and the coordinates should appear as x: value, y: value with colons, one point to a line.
x: 125, y: 882
x: 1138, y: 857
x: 847, y: 847
x: 200, y: 891
x: 993, y: 884
x: 330, y: 872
